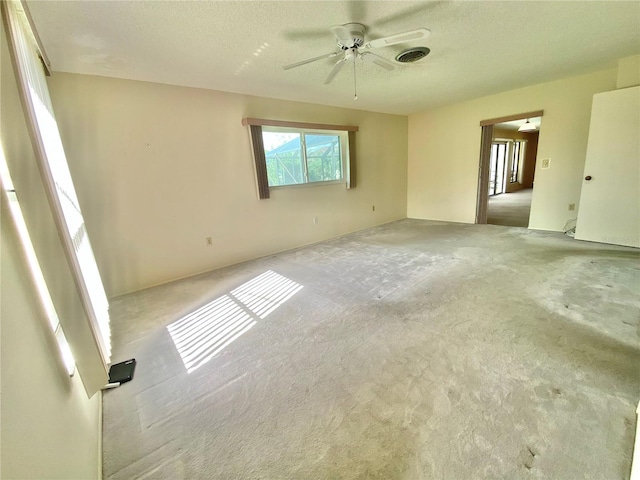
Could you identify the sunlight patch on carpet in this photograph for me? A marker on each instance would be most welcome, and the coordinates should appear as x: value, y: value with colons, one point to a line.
x: 265, y: 293
x: 203, y: 333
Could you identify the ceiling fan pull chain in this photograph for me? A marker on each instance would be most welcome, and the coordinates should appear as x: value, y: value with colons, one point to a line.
x: 355, y: 89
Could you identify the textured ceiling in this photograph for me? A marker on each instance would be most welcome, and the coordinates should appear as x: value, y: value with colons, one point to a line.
x: 477, y: 47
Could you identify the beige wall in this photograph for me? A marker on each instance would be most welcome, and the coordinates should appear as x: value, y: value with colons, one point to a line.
x: 158, y: 168
x: 505, y: 133
x: 49, y: 427
x: 628, y: 72
x: 444, y: 149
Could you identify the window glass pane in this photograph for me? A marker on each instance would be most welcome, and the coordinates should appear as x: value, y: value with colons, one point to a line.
x: 294, y: 156
x: 492, y: 169
x: 283, y: 153
x: 323, y: 157
x: 500, y: 172
x: 515, y: 161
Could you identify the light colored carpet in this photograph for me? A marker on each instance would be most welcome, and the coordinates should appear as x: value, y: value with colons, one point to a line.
x: 414, y: 350
x: 510, y: 209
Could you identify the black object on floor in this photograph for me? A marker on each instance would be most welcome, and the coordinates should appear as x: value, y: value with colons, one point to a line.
x: 122, y: 372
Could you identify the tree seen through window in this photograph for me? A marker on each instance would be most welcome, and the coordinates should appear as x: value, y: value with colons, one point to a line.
x: 294, y: 158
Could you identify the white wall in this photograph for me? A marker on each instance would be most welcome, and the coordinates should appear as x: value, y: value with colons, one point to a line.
x: 49, y: 427
x: 158, y: 168
x: 444, y: 149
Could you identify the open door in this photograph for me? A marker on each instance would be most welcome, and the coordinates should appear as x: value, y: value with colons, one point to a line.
x: 610, y: 198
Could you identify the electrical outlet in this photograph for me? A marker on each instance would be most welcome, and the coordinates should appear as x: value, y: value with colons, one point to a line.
x: 546, y: 162
x: 315, y: 220
x: 572, y: 206
x: 209, y: 241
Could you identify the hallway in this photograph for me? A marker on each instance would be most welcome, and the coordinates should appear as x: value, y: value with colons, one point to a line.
x: 510, y: 209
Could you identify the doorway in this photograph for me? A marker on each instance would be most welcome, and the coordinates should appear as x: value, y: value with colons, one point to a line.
x: 507, y: 169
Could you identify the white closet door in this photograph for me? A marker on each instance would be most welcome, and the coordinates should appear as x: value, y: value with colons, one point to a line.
x: 610, y: 198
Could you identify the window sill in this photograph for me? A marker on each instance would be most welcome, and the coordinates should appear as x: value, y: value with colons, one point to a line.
x: 310, y: 184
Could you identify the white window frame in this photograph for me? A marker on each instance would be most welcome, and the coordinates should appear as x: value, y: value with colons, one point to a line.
x: 259, y: 159
x: 344, y: 154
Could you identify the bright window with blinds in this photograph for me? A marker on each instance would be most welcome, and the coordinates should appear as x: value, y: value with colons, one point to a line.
x: 517, y: 159
x: 34, y: 266
x: 56, y: 176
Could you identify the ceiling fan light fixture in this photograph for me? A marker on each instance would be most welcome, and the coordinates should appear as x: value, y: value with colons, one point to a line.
x: 350, y: 40
x: 527, y: 127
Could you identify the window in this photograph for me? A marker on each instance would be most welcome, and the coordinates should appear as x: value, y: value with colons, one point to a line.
x: 296, y: 156
x: 517, y: 158
x: 78, y: 294
x: 34, y: 266
x: 294, y: 153
x: 497, y: 170
x: 506, y: 161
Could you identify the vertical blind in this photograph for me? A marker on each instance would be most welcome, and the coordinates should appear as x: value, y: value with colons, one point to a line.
x: 260, y: 160
x: 58, y: 184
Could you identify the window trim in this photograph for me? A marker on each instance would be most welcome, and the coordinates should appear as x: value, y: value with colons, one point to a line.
x: 263, y: 122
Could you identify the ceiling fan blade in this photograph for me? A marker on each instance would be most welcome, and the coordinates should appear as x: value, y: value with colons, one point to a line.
x: 377, y: 60
x: 418, y: 34
x: 334, y: 71
x: 309, y: 60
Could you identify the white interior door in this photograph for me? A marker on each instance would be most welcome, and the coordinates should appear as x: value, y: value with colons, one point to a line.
x: 610, y: 198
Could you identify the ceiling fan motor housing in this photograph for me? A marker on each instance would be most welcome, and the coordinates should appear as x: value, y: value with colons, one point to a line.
x: 351, y: 35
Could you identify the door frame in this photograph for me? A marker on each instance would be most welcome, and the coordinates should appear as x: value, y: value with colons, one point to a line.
x: 485, y: 158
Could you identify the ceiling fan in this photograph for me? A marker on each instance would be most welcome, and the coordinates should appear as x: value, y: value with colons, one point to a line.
x: 351, y: 42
